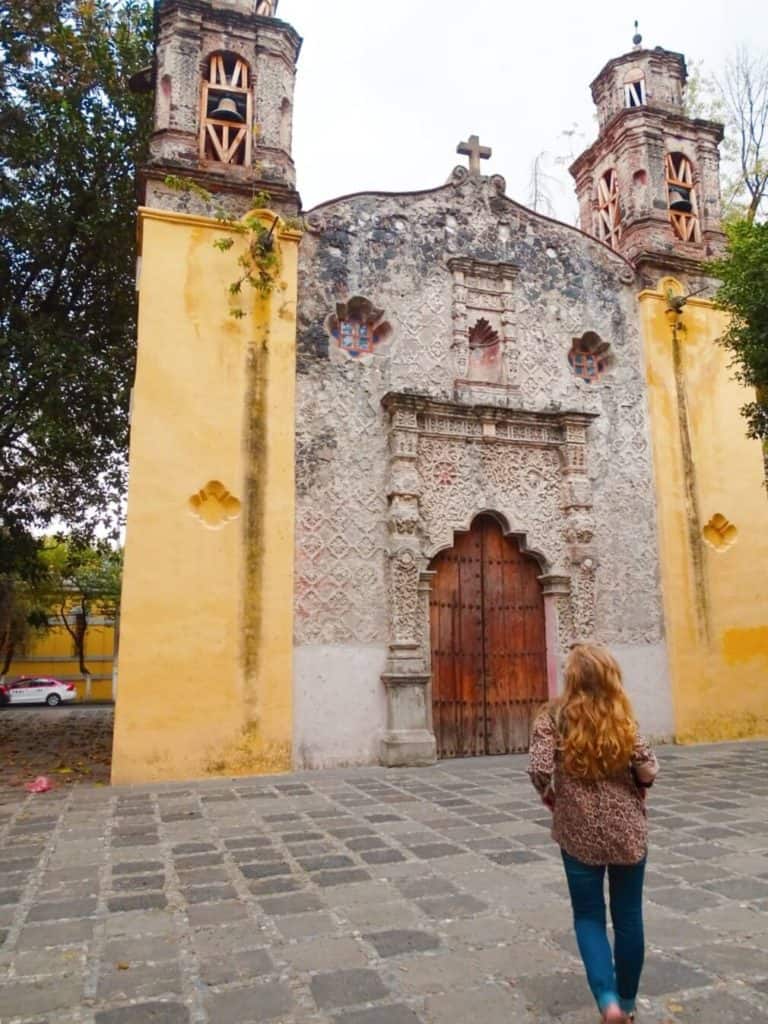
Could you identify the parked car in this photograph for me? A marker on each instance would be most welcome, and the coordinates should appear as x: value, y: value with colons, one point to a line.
x: 36, y: 690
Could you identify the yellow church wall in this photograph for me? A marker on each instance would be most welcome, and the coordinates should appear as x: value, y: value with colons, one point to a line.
x: 206, y: 623
x: 713, y: 523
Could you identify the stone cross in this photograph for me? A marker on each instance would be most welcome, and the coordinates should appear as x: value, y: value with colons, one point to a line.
x: 475, y: 152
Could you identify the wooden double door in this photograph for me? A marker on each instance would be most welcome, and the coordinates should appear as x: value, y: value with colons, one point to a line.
x: 489, y: 663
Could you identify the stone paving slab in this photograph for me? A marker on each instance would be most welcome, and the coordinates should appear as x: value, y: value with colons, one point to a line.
x: 369, y: 896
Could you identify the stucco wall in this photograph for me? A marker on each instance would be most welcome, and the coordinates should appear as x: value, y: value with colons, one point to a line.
x: 206, y: 652
x: 715, y: 595
x: 339, y: 701
x: 394, y: 251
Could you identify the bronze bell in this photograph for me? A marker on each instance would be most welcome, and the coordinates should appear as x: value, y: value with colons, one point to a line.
x: 680, y: 199
x: 227, y: 111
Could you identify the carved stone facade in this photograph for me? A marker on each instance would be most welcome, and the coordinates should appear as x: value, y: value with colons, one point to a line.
x: 450, y: 461
x: 483, y: 297
x: 401, y: 448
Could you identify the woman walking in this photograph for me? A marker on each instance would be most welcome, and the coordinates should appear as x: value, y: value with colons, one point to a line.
x: 592, y: 769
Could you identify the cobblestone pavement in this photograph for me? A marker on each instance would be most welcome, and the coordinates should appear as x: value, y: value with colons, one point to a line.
x: 369, y: 896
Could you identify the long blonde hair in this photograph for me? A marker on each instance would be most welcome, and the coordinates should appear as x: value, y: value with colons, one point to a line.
x: 594, y: 715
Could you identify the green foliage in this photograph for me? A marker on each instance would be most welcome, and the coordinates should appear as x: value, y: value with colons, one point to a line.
x: 19, y: 553
x: 71, y: 134
x: 21, y: 574
x: 15, y: 614
x: 85, y: 574
x: 180, y: 184
x: 66, y: 572
x: 91, y: 571
x: 260, y: 263
x: 743, y: 293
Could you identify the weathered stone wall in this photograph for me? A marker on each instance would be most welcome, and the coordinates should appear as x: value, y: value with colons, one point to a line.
x: 394, y: 250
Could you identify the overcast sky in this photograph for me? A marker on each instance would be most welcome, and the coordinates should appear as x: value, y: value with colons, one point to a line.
x: 385, y: 91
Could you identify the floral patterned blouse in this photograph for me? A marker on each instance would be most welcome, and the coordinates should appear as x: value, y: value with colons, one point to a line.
x: 597, y: 822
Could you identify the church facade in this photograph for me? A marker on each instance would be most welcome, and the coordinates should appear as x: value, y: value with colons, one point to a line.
x: 502, y: 376
x: 453, y: 438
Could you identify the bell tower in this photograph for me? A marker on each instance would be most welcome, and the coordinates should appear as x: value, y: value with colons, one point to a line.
x: 223, y: 78
x: 649, y: 185
x: 211, y: 494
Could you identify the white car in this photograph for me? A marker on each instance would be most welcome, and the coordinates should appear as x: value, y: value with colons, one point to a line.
x: 37, y: 690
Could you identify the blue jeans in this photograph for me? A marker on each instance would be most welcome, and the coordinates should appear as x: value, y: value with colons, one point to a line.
x: 612, y: 978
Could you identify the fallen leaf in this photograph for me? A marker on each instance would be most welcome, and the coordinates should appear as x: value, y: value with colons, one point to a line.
x: 121, y: 965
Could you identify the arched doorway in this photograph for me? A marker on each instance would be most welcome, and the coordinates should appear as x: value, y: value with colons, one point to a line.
x: 489, y: 662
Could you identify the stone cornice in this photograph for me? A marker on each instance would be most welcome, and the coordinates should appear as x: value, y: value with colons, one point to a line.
x: 485, y: 268
x: 638, y: 121
x: 670, y: 261
x: 244, y: 184
x: 146, y: 213
x: 236, y: 20
x: 445, y: 418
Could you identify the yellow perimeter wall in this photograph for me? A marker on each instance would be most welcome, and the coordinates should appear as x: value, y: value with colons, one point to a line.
x: 49, y: 653
x: 715, y: 579
x: 206, y: 621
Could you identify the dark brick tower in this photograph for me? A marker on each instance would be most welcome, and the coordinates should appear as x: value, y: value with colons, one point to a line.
x: 223, y: 80
x: 649, y: 185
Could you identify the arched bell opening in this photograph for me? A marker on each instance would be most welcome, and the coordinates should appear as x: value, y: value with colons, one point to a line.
x: 226, y: 111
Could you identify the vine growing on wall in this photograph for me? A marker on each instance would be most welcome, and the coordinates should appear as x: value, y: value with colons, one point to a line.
x: 259, y: 264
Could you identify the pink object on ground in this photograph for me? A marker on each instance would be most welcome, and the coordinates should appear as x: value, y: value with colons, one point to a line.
x: 40, y: 785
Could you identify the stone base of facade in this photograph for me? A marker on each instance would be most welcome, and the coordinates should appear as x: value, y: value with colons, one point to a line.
x: 408, y: 748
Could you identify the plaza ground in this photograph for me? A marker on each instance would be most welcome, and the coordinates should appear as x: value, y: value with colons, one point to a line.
x: 70, y: 744
x: 367, y: 896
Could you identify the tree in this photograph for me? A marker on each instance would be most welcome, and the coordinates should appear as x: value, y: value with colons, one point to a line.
x: 71, y: 135
x: 745, y: 90
x: 738, y: 97
x: 540, y: 187
x: 743, y: 293
x: 14, y: 622
x: 80, y: 577
x: 22, y: 586
x: 23, y: 608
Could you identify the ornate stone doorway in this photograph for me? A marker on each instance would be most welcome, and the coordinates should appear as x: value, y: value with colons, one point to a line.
x: 488, y: 642
x: 448, y: 462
